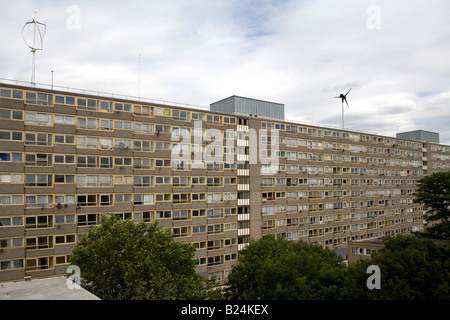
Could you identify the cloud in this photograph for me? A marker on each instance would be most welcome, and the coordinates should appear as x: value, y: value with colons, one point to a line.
x: 300, y: 53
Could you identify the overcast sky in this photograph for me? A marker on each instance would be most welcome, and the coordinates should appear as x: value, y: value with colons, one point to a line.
x: 395, y: 55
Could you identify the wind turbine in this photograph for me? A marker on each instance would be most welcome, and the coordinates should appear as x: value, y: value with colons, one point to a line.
x: 37, y: 42
x: 343, y: 98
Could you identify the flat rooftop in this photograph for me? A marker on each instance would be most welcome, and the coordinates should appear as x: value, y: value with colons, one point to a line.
x: 54, y: 288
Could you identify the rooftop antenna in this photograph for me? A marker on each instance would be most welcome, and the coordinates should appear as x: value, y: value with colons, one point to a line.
x: 139, y: 78
x: 343, y: 98
x: 37, y: 43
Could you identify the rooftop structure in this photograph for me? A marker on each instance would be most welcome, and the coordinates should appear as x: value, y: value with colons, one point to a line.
x: 246, y: 106
x: 420, y: 135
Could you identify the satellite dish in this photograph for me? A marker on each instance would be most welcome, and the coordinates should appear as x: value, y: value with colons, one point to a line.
x: 121, y: 145
x: 34, y: 39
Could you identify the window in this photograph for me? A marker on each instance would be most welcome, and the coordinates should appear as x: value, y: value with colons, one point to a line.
x: 180, y: 115
x: 163, y: 145
x: 181, y: 181
x: 11, y: 114
x: 11, y: 221
x: 215, y: 228
x: 139, y: 145
x: 65, y: 100
x: 62, y: 259
x: 268, y: 210
x: 35, y: 243
x: 118, y: 161
x: 64, y: 159
x: 181, y: 215
x: 90, y: 219
x: 212, y: 261
x: 11, y: 178
x: 38, y: 139
x: 198, y: 212
x: 163, y: 180
x: 16, y: 94
x: 181, y: 165
x: 214, y: 166
x: 164, y: 214
x: 64, y: 198
x: 38, y: 222
x: 198, y: 116
x: 162, y: 112
x: 38, y: 98
x: 41, y: 263
x: 163, y: 197
x: 63, y: 239
x: 143, y: 111
x: 123, y: 180
x: 36, y: 201
x: 214, y: 197
x: 11, y: 264
x: 87, y: 123
x: 11, y: 243
x: 144, y: 199
x: 87, y: 142
x: 215, y: 213
x: 11, y: 199
x: 94, y: 162
x: 11, y: 135
x: 106, y: 125
x: 181, y: 198
x: 14, y: 157
x: 143, y: 181
x: 143, y: 163
x: 229, y: 120
x: 40, y: 119
x: 123, y: 197
x: 214, y: 119
x: 181, y: 132
x: 144, y: 216
x: 198, y: 196
x: 87, y: 200
x: 162, y: 163
x: 122, y: 106
x: 125, y: 125
x: 199, y: 229
x: 181, y: 232
x: 94, y: 181
x: 64, y: 139
x: 145, y: 128
x: 198, y: 180
x: 87, y: 104
x: 38, y: 180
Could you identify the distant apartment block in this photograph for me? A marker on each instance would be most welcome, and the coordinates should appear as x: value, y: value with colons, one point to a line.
x: 216, y: 179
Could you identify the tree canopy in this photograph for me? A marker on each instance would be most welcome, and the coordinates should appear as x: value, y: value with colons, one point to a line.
x: 272, y: 268
x: 123, y: 260
x: 434, y: 193
x: 411, y: 268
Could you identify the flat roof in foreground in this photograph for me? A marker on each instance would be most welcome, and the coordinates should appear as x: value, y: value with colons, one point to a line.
x: 53, y: 288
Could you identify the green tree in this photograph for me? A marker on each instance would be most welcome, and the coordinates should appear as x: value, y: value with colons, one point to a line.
x: 434, y: 193
x: 121, y: 260
x: 411, y: 268
x: 281, y: 269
